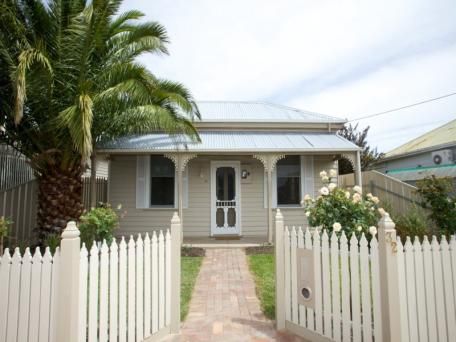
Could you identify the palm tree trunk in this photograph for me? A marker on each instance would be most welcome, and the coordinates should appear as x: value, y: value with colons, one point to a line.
x: 59, y: 199
x: 93, y: 179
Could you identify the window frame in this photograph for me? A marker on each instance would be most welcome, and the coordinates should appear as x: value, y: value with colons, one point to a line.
x: 299, y: 186
x: 162, y: 206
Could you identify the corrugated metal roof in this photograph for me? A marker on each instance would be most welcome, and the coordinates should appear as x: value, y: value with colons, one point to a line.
x: 423, y: 172
x: 442, y: 135
x: 239, y: 111
x: 232, y: 141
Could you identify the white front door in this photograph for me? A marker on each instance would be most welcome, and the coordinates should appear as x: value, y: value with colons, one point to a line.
x: 225, y: 198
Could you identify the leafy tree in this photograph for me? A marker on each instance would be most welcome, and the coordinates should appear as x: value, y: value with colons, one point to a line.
x: 438, y: 195
x: 368, y: 155
x: 69, y: 78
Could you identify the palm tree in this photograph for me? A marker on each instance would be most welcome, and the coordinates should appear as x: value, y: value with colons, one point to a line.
x: 69, y: 78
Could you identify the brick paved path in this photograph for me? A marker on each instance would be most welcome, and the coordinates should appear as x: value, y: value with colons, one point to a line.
x: 224, y: 305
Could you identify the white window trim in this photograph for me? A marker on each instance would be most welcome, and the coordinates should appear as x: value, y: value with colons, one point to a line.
x: 306, y: 180
x: 143, y: 186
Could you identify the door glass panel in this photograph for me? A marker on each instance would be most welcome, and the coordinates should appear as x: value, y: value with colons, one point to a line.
x: 220, y: 217
x: 231, y: 217
x: 225, y: 185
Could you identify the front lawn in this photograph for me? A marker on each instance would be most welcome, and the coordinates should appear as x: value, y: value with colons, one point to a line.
x: 190, y: 267
x: 262, y: 268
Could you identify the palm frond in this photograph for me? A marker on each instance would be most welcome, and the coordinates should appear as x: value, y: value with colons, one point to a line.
x: 26, y: 59
x: 78, y: 120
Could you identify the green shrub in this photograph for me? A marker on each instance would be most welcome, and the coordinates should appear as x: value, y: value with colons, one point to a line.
x: 52, y: 241
x: 5, y: 224
x: 97, y: 225
x: 339, y: 210
x: 436, y: 193
x: 413, y: 223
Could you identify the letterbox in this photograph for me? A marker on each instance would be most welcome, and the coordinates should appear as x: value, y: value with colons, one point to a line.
x: 306, y: 277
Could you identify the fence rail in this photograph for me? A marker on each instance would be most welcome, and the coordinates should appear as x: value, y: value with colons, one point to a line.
x: 122, y: 292
x: 399, y: 195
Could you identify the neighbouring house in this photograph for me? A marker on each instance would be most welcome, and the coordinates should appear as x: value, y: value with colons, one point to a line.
x: 431, y: 154
x: 253, y: 158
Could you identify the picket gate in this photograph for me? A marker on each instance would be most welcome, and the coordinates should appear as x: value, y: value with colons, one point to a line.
x: 377, y: 290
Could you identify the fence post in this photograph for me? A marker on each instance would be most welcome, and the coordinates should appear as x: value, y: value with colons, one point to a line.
x: 176, y: 228
x: 67, y: 314
x: 279, y: 271
x: 389, y: 280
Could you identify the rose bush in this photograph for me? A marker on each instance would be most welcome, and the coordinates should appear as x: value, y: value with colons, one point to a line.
x: 337, y: 209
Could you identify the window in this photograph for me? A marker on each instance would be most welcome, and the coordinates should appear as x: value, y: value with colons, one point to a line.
x: 289, y: 181
x: 161, y: 181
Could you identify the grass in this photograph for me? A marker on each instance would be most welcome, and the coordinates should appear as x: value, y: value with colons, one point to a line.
x: 262, y: 268
x: 190, y: 267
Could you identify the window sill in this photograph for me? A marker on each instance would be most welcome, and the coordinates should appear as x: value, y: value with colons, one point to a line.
x: 289, y: 207
x: 159, y: 208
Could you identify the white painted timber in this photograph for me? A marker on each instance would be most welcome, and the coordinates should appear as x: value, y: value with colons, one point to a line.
x: 113, y: 291
x: 123, y: 290
x: 376, y: 303
x: 355, y: 287
x: 345, y: 288
x: 147, y: 287
x: 365, y: 289
x: 104, y: 290
x: 335, y: 287
x: 93, y: 293
x: 294, y: 274
x: 139, y: 289
x: 326, y: 278
x: 131, y: 291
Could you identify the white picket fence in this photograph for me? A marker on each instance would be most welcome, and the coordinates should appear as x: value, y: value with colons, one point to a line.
x: 128, y: 291
x: 377, y: 291
x: 427, y: 278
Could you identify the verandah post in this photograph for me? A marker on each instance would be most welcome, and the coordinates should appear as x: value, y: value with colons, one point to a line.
x: 389, y: 280
x: 176, y: 228
x: 279, y: 271
x: 67, y: 315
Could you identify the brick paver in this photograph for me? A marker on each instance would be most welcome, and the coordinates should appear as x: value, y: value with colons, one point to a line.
x: 224, y: 306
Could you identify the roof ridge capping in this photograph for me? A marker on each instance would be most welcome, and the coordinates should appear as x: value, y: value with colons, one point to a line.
x: 321, y: 117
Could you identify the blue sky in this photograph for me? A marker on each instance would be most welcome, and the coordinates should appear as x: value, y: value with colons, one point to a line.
x: 342, y: 58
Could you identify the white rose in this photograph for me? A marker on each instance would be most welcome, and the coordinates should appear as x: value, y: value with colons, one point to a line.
x: 381, y: 211
x: 347, y: 194
x: 323, y: 174
x: 357, y: 189
x: 307, y: 213
x: 375, y: 200
x: 337, y: 227
x: 332, y: 186
x: 359, y: 228
x: 302, y: 203
x: 369, y: 195
x: 333, y: 173
x: 325, y: 179
x: 356, y: 198
x: 373, y: 230
x: 307, y: 197
x: 119, y: 207
x: 324, y: 191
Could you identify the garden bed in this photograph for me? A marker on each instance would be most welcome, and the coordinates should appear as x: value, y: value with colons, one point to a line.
x: 265, y: 249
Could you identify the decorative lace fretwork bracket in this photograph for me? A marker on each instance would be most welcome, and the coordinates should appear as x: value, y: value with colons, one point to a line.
x: 180, y: 160
x: 351, y: 157
x: 269, y: 160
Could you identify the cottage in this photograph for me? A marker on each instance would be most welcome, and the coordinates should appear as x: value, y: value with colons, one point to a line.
x: 253, y: 158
